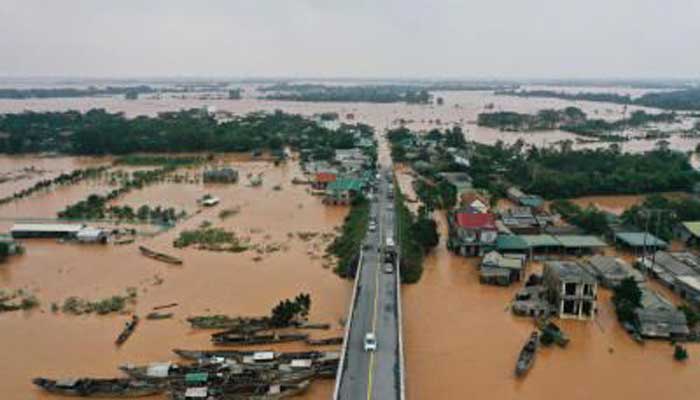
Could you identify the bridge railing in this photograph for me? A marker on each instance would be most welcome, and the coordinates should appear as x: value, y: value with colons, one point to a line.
x: 348, y: 323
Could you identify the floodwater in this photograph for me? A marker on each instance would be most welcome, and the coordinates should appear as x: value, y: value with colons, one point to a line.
x: 460, y: 108
x: 461, y: 341
x: 40, y: 343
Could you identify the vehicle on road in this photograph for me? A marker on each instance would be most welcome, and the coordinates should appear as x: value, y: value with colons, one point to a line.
x: 389, y: 243
x: 370, y: 342
x: 388, y: 268
x: 372, y: 226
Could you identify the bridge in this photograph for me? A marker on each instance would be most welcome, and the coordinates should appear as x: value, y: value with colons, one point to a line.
x: 375, y: 307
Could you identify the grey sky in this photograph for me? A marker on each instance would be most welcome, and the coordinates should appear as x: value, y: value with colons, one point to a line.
x: 351, y: 38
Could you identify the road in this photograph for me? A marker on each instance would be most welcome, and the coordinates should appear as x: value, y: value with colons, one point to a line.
x: 374, y: 375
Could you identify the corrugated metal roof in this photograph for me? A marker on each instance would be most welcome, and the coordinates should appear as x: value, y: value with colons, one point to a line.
x: 639, y: 239
x: 578, y: 241
x: 46, y: 227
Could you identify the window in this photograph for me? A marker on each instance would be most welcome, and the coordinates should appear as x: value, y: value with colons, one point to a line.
x: 570, y: 289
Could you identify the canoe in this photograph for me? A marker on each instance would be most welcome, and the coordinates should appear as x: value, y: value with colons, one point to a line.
x: 227, y: 338
x: 159, y: 256
x: 242, y: 392
x: 157, y: 315
x: 128, y: 330
x: 87, y: 387
x: 324, y: 342
x: 527, y: 355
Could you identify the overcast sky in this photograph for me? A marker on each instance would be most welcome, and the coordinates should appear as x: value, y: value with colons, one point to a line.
x: 351, y: 38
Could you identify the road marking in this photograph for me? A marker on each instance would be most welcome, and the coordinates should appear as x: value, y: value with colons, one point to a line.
x: 370, y: 372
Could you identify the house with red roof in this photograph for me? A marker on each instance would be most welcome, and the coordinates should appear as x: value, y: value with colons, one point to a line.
x: 322, y: 179
x: 471, y: 234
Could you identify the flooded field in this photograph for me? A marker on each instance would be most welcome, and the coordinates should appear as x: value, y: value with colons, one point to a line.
x: 460, y: 108
x: 208, y: 282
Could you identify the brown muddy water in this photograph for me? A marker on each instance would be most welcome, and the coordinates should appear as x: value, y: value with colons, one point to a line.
x: 462, y: 342
x: 41, y: 343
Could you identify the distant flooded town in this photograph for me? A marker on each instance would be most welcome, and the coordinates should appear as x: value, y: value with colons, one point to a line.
x: 315, y: 239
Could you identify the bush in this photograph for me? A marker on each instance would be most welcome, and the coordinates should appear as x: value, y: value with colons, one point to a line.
x: 680, y: 353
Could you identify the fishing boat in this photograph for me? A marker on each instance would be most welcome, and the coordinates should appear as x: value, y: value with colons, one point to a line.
x: 159, y: 256
x: 527, y: 355
x: 242, y: 392
x: 129, y: 328
x: 239, y: 355
x: 324, y: 342
x: 88, y: 387
x: 156, y: 315
x: 228, y: 338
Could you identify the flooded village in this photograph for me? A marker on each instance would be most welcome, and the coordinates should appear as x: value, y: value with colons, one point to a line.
x: 235, y: 233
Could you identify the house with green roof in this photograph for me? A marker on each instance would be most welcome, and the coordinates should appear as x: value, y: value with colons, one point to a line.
x: 343, y: 191
x: 639, y: 242
x: 689, y: 232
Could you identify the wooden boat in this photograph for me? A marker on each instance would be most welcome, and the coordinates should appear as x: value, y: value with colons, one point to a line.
x: 157, y: 315
x: 527, y: 355
x: 324, y: 342
x: 159, y: 256
x: 228, y: 338
x: 128, y: 330
x: 164, y: 306
x: 238, y: 355
x: 87, y: 387
x: 172, y: 373
x: 239, y: 324
x: 259, y: 392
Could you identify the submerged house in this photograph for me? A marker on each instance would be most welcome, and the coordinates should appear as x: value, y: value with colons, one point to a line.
x: 611, y: 271
x: 501, y: 270
x: 222, y: 175
x: 517, y: 196
x: 52, y: 231
x: 679, y: 271
x: 322, y: 179
x: 471, y: 234
x: 658, y: 318
x: 342, y: 191
x: 570, y: 289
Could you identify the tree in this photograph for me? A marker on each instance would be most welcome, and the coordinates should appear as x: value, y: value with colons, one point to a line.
x: 680, y: 353
x: 424, y: 231
x: 627, y: 297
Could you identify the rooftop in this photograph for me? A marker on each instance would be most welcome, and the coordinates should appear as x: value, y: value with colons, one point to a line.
x: 639, y: 239
x: 472, y: 221
x: 46, y: 227
x: 692, y: 227
x: 579, y: 241
x: 344, y: 184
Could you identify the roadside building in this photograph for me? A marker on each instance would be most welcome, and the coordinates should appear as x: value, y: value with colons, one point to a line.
x: 221, y: 175
x: 658, y: 318
x: 580, y: 244
x: 342, y: 191
x: 689, y: 232
x: 322, y: 179
x: 521, y: 220
x: 92, y: 235
x: 570, y: 289
x: 611, y: 271
x: 501, y: 270
x: 639, y: 242
x: 679, y: 271
x: 512, y: 244
x: 54, y: 231
x: 471, y: 234
x: 517, y: 196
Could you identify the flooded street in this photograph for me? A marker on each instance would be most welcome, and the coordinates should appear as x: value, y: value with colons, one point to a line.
x: 462, y: 342
x: 207, y: 283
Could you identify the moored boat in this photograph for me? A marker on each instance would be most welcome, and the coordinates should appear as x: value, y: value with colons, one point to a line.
x: 527, y: 355
x: 259, y: 392
x: 128, y: 330
x: 227, y: 338
x: 88, y: 387
x: 159, y: 256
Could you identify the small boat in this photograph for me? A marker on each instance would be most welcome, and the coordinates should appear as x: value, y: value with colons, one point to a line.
x: 237, y: 392
x: 87, y: 387
x: 326, y: 341
x: 159, y: 256
x: 156, y: 315
x: 239, y: 355
x: 129, y: 328
x: 228, y: 338
x: 164, y: 306
x: 527, y: 355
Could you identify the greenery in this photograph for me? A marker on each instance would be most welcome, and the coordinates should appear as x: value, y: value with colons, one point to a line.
x: 570, y: 119
x: 114, y: 304
x: 17, y: 300
x: 92, y: 91
x: 289, y: 311
x: 70, y: 178
x: 412, y: 250
x: 667, y: 214
x: 589, y: 219
x: 347, y: 246
x: 370, y: 94
x: 424, y: 230
x: 100, y: 132
x: 680, y: 353
x: 691, y: 316
x: 627, y: 297
x: 150, y: 160
x: 209, y: 238
x: 566, y: 173
x: 436, y: 196
x: 686, y: 99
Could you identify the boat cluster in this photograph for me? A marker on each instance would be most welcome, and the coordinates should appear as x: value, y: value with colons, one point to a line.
x: 210, y: 375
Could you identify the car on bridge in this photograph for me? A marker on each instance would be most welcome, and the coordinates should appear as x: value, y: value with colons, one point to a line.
x: 370, y: 342
x: 388, y: 268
